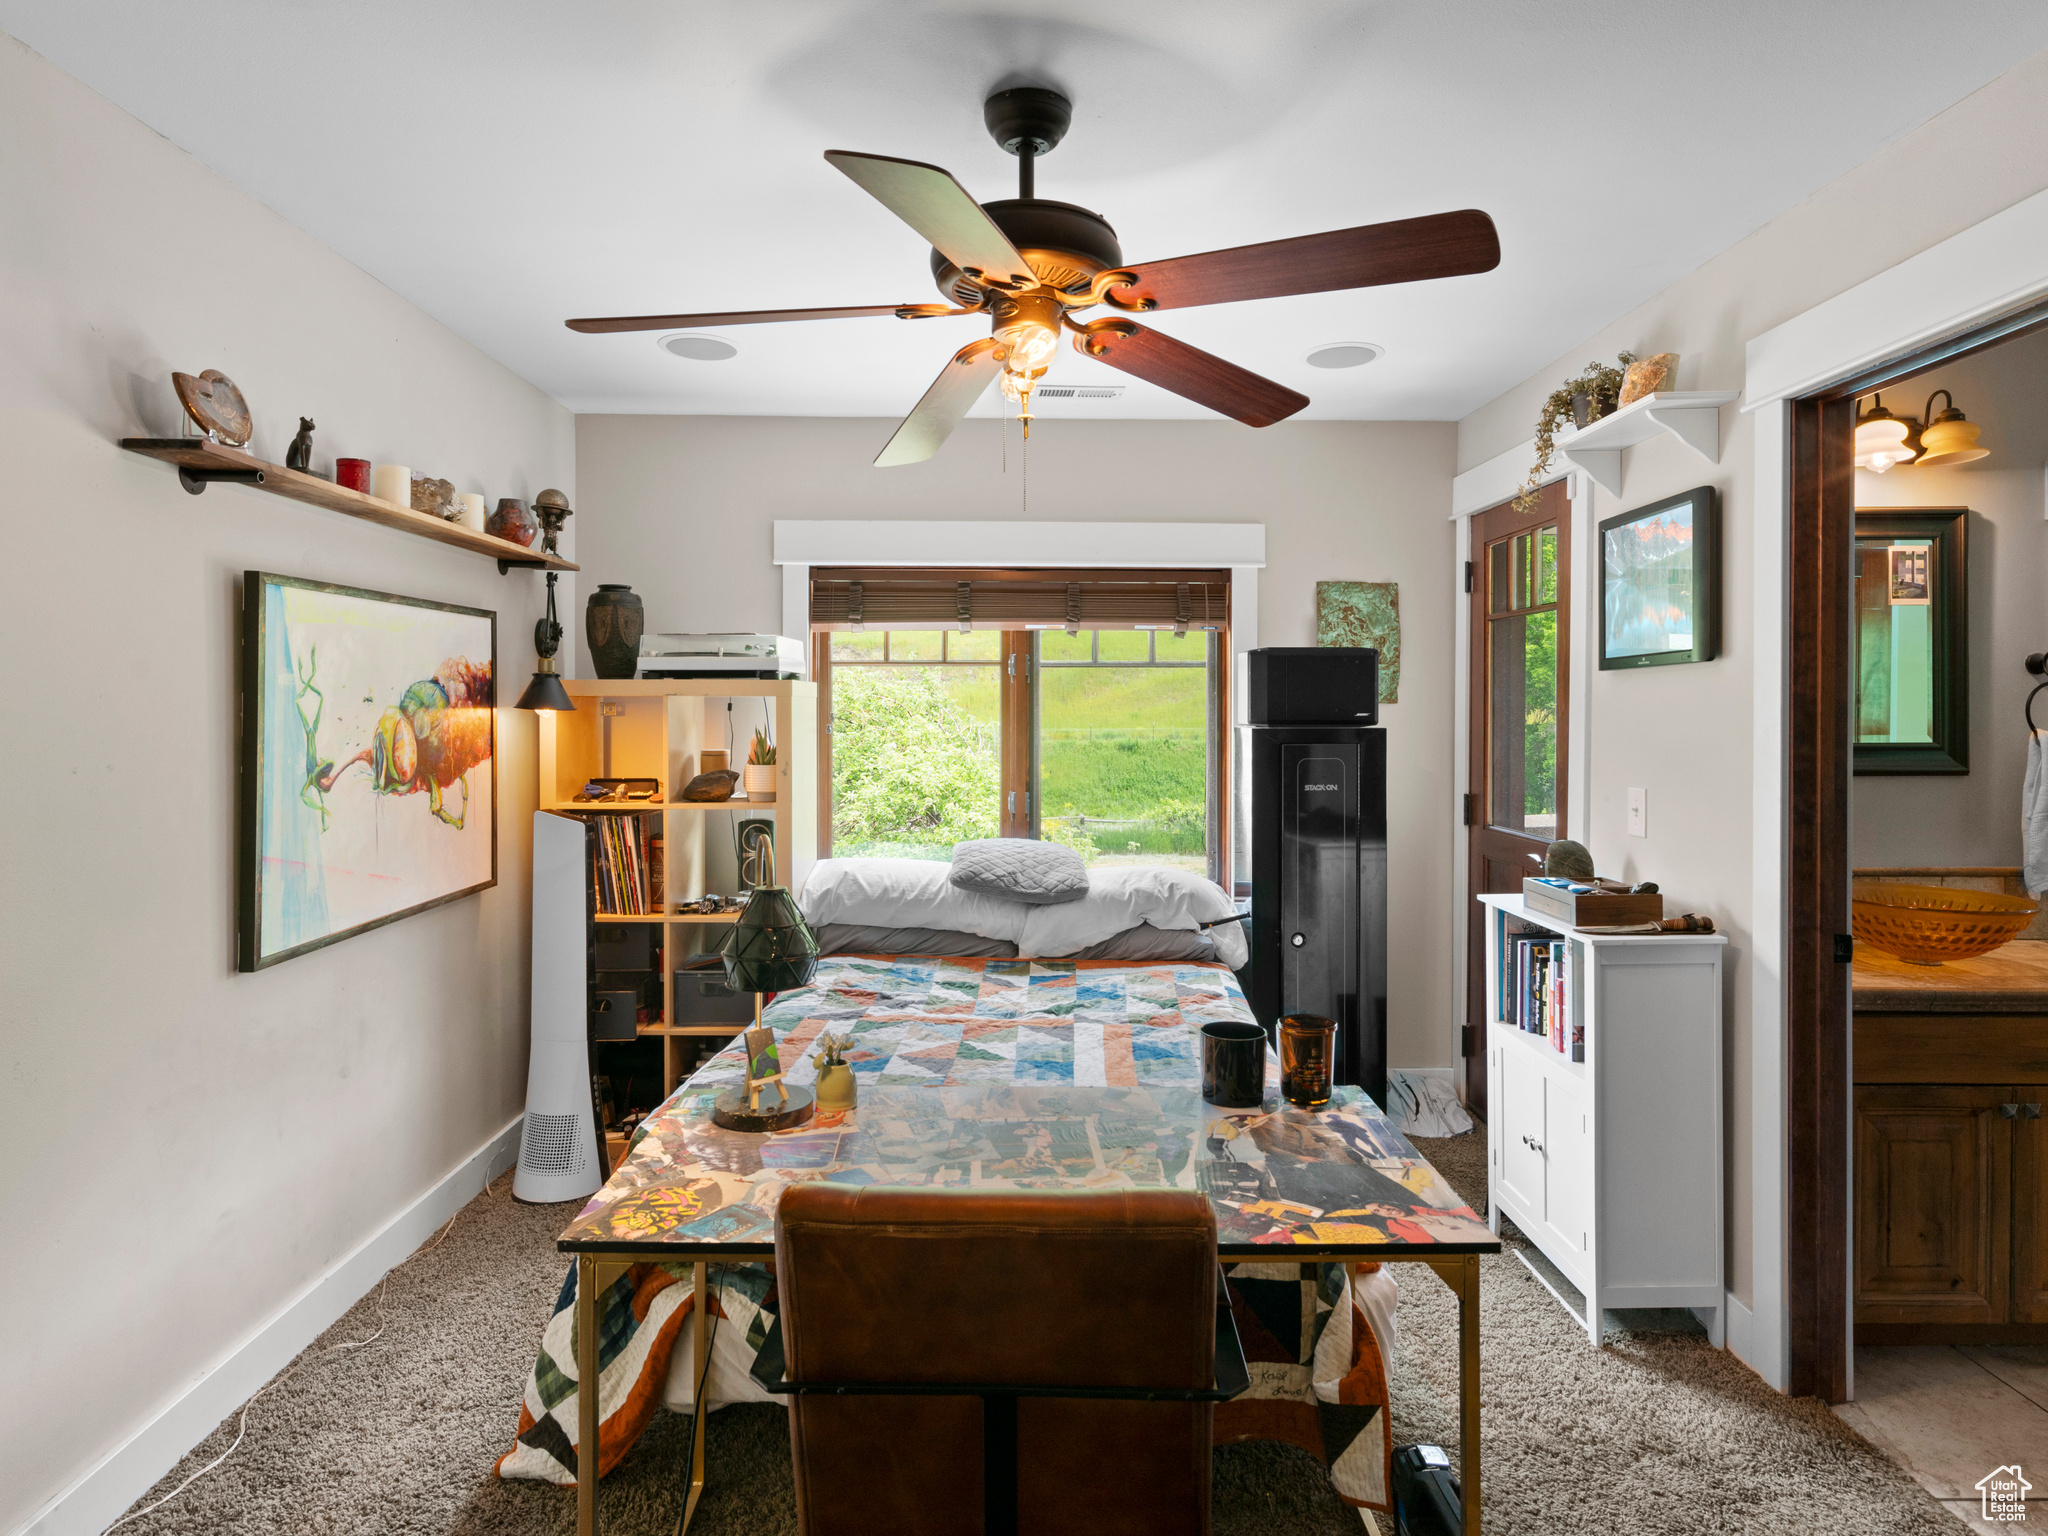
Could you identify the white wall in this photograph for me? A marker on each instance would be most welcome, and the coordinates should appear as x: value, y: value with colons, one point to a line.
x: 184, y: 1148
x: 1685, y: 733
x: 681, y: 508
x: 1973, y: 820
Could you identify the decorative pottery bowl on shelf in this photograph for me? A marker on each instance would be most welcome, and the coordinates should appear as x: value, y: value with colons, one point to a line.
x: 1927, y: 924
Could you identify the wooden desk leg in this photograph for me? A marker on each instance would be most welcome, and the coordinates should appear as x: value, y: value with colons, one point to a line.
x: 1461, y: 1274
x: 586, y: 1394
x: 700, y: 1347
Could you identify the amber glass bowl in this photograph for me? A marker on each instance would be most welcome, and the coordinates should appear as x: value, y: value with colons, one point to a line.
x: 1927, y: 924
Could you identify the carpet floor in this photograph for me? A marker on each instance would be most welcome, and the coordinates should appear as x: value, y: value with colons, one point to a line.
x: 1657, y: 1433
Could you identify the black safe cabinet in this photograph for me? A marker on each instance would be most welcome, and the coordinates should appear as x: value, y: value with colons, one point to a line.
x: 1318, y: 821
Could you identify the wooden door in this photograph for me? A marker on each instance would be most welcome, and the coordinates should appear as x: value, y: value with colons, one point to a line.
x: 1521, y: 593
x: 1933, y: 1192
x: 2030, y: 1208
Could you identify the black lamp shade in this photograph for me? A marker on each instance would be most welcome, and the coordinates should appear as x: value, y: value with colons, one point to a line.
x: 546, y: 692
x: 771, y: 948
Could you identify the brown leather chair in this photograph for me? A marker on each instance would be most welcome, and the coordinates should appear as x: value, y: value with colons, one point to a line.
x: 1058, y: 1310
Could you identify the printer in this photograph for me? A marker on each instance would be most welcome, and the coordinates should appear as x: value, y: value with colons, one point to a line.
x: 773, y: 657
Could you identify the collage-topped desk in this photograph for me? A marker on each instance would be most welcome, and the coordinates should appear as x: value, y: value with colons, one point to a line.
x: 1338, y: 1185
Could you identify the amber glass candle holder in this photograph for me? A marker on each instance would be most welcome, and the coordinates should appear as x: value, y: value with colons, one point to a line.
x: 1306, y: 1043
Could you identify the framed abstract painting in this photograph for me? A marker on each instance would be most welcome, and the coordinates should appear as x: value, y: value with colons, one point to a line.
x: 369, y: 786
x: 1364, y: 613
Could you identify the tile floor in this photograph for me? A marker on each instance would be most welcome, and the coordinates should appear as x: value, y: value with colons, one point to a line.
x: 1949, y: 1415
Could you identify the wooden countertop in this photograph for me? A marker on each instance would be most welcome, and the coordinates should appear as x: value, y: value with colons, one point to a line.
x: 2011, y: 979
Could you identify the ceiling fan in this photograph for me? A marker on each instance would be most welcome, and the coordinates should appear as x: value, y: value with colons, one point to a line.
x: 1029, y: 264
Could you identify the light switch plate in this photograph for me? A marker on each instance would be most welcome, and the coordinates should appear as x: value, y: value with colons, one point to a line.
x: 1638, y: 813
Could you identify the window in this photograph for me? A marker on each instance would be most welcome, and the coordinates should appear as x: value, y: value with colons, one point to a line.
x: 1521, y: 641
x: 1086, y: 713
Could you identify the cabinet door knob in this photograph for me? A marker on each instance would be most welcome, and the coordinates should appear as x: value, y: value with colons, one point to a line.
x: 1537, y: 1147
x: 2030, y: 1111
x: 2008, y: 1111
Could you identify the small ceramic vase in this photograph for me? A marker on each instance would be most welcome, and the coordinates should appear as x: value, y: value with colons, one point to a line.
x: 612, y: 621
x: 512, y: 521
x: 837, y: 1086
x: 760, y: 781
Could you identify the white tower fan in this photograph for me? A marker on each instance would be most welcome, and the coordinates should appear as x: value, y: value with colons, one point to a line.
x: 560, y: 1157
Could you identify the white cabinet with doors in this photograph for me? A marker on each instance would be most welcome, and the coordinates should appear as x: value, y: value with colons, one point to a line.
x: 1611, y: 1166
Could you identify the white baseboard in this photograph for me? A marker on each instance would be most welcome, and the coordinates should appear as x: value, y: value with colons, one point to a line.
x: 1741, y: 1333
x: 128, y: 1471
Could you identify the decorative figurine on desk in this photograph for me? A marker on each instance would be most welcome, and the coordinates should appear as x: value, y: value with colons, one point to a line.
x: 837, y: 1089
x: 299, y: 455
x: 764, y: 1069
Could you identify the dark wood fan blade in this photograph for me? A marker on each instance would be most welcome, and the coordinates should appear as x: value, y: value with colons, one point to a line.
x: 931, y: 202
x: 1189, y: 372
x: 932, y: 420
x: 1403, y: 251
x: 754, y: 317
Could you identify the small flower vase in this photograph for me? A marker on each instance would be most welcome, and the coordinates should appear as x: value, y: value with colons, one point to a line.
x: 760, y: 781
x: 837, y: 1088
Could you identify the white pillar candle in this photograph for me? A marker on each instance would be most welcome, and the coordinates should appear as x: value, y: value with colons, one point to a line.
x: 392, y: 483
x: 472, y: 511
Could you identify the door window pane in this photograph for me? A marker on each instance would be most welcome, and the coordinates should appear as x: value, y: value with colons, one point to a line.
x: 1123, y: 748
x: 915, y: 748
x: 1522, y: 691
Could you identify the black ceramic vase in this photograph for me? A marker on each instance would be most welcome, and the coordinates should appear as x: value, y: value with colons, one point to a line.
x: 612, y: 623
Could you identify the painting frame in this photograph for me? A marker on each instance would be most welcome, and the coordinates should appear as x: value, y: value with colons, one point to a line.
x: 1703, y: 588
x: 1364, y: 614
x: 256, y: 745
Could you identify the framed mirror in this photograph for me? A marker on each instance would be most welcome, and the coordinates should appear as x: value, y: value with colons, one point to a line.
x: 1912, y: 620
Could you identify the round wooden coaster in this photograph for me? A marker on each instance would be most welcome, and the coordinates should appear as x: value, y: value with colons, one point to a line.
x: 731, y: 1110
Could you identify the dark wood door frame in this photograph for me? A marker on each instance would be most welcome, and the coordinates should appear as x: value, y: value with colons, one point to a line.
x: 1819, y: 748
x: 1489, y: 527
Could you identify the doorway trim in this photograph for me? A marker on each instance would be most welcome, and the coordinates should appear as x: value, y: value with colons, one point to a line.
x: 1964, y: 284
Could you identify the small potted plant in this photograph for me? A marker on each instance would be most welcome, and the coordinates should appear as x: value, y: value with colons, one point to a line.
x: 837, y: 1088
x: 1581, y: 401
x: 760, y: 774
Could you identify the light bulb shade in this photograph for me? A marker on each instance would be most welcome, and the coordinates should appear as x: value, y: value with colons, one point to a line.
x: 771, y: 948
x: 1882, y: 440
x: 546, y: 692
x: 1951, y: 439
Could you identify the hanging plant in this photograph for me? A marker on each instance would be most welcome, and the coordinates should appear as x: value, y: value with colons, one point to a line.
x: 1582, y: 400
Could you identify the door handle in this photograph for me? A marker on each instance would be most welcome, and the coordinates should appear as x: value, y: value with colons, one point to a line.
x: 2008, y: 1111
x: 1532, y: 1144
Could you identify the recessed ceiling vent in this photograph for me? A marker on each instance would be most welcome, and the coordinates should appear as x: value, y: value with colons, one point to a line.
x: 1078, y: 392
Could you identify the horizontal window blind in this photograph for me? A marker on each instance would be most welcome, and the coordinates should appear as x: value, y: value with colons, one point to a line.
x: 847, y: 598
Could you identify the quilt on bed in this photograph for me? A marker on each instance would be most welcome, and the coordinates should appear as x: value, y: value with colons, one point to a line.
x: 1316, y: 1336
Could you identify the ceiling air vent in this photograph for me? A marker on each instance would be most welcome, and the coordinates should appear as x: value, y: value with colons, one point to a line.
x: 1077, y: 392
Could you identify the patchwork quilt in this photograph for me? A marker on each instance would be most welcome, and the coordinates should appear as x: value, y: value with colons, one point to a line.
x: 1316, y: 1336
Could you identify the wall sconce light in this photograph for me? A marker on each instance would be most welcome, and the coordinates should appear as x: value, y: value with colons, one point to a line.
x: 546, y: 690
x: 1949, y: 438
x: 1883, y: 439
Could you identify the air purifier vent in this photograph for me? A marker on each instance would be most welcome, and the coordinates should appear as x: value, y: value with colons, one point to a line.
x: 550, y: 1145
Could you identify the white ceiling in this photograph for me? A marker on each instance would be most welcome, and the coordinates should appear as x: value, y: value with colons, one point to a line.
x: 506, y: 164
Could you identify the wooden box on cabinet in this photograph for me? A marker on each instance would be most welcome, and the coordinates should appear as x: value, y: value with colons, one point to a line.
x: 1611, y: 1166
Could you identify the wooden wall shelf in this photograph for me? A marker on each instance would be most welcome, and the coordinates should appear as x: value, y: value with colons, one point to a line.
x: 200, y: 461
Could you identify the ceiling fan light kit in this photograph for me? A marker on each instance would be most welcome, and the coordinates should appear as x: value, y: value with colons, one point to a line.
x: 1029, y: 263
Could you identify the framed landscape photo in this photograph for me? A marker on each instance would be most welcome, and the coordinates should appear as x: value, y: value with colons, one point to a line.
x: 1660, y: 582
x: 369, y: 785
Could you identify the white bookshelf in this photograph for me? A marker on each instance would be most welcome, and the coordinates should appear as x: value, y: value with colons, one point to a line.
x: 1611, y: 1166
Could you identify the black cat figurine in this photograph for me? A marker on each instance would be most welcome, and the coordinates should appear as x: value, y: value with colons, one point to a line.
x: 300, y: 455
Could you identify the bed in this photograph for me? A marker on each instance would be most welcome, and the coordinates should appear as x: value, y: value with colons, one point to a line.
x: 1317, y: 1336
